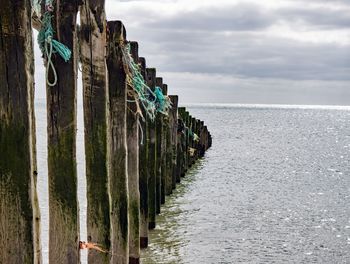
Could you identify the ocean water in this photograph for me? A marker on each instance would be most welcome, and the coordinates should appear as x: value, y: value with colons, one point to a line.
x: 274, y: 188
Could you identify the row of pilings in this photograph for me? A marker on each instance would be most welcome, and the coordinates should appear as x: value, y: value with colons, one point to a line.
x: 131, y: 164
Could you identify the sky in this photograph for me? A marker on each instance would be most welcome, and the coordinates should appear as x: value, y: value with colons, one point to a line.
x: 243, y: 51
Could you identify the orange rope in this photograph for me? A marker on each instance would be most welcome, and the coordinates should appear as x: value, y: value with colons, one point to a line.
x: 88, y: 246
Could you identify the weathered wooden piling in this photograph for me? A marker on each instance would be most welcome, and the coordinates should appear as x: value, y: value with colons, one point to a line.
x: 182, y: 116
x: 198, y: 129
x: 173, y: 127
x: 206, y: 139
x: 19, y: 209
x: 169, y: 153
x: 118, y: 177
x: 143, y: 169
x: 159, y: 124
x: 202, y: 140
x: 187, y: 133
x: 61, y: 131
x: 179, y: 163
x: 210, y: 141
x: 133, y: 170
x: 165, y: 122
x: 151, y: 127
x: 92, y: 38
x: 194, y: 143
x: 190, y: 149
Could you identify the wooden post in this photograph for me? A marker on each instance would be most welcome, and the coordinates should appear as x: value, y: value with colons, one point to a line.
x: 143, y: 170
x: 190, y: 127
x: 95, y: 90
x: 165, y: 123
x: 61, y: 132
x: 182, y: 116
x: 179, y: 151
x: 194, y: 129
x: 205, y: 138
x: 173, y: 127
x: 202, y: 140
x: 210, y: 141
x: 118, y: 177
x: 133, y: 171
x: 169, y: 155
x: 19, y: 209
x: 151, y: 81
x: 198, y: 129
x: 187, y: 123
x: 159, y: 124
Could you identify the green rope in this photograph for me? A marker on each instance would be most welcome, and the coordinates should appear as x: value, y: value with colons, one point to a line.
x: 47, y: 44
x: 151, y: 102
x: 189, y: 131
x: 163, y: 103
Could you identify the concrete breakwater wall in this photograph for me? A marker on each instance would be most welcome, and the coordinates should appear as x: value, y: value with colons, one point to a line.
x: 133, y: 159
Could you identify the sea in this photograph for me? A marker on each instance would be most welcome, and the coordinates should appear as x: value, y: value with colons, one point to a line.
x: 274, y: 188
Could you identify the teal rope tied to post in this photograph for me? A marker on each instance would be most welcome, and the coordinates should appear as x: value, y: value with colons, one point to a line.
x: 163, y: 103
x: 189, y: 131
x: 48, y: 45
x: 141, y: 92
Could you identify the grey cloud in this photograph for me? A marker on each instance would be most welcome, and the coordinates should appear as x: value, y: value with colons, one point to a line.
x: 321, y: 17
x: 248, y: 55
x: 222, y: 18
x: 229, y: 41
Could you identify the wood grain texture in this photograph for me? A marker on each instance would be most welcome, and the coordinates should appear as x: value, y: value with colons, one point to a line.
x: 92, y: 37
x: 173, y: 142
x: 117, y: 144
x: 143, y: 169
x: 159, y: 124
x: 61, y: 115
x: 132, y: 121
x: 151, y: 127
x: 165, y: 123
x: 19, y: 209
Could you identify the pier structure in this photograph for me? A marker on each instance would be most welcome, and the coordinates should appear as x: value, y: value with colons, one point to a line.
x: 139, y: 141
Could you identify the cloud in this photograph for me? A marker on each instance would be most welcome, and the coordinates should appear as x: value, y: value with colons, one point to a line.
x: 295, y: 43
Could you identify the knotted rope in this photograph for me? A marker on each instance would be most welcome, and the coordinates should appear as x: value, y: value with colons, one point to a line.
x: 48, y: 45
x: 151, y: 102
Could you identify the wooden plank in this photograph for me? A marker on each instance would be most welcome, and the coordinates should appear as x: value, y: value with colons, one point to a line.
x: 202, y: 140
x: 133, y: 171
x: 173, y: 127
x: 187, y: 123
x: 159, y: 124
x: 165, y: 123
x: 190, y: 126
x: 179, y: 157
x: 194, y: 130
x: 95, y: 89
x: 206, y: 138
x: 198, y: 122
x: 19, y: 210
x: 61, y: 121
x: 151, y: 82
x: 143, y: 170
x: 182, y: 142
x: 118, y: 176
